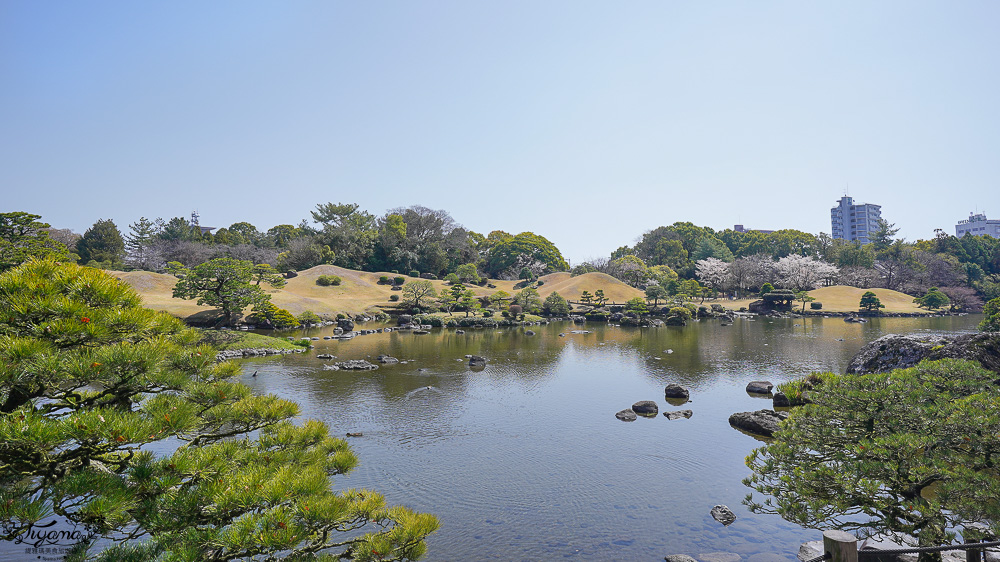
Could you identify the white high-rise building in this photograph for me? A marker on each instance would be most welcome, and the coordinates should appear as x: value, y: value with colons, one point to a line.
x: 854, y: 223
x: 977, y: 225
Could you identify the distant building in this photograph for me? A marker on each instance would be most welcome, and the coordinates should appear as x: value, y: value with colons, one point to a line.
x: 854, y: 223
x: 194, y: 224
x: 977, y: 225
x: 740, y: 228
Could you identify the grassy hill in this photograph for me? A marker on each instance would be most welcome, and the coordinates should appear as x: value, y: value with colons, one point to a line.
x: 359, y: 291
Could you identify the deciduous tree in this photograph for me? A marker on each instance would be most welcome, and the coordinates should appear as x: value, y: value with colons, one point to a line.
x: 417, y: 292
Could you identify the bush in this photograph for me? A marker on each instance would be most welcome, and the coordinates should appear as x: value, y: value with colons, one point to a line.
x: 341, y: 316
x: 487, y: 313
x: 815, y: 305
x: 399, y: 280
x: 414, y: 273
x: 327, y: 280
x: 682, y: 312
x: 515, y: 309
x: 309, y: 317
x: 451, y: 279
x: 383, y: 279
x: 540, y: 282
x: 394, y: 298
x: 430, y: 276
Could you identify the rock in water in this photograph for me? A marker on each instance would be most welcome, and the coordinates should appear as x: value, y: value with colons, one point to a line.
x: 646, y: 408
x: 780, y: 400
x: 678, y: 558
x: 357, y: 365
x: 477, y: 361
x: 759, y: 387
x: 900, y: 352
x: 761, y: 422
x: 723, y: 514
x: 678, y: 414
x: 387, y: 360
x: 676, y: 391
x: 626, y: 415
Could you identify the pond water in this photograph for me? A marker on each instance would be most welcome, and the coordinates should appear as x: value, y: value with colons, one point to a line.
x: 525, y: 459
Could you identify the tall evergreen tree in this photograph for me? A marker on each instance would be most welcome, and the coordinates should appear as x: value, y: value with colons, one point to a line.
x: 102, y: 245
x: 91, y: 384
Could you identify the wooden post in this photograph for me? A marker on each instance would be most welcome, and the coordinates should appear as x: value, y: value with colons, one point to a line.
x: 972, y: 555
x: 840, y: 546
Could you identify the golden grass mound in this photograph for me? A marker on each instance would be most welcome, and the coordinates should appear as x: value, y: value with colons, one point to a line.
x: 570, y: 288
x: 842, y: 298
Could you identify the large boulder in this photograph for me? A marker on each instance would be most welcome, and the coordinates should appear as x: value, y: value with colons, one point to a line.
x: 475, y: 360
x: 404, y: 319
x: 646, y: 408
x: 761, y: 422
x: 901, y: 352
x: 676, y: 391
x: 759, y: 387
x: 345, y: 325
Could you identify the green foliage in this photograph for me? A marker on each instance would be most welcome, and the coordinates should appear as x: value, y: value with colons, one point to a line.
x: 417, y: 292
x: 328, y: 280
x: 870, y: 302
x: 226, y: 284
x: 637, y: 305
x: 394, y: 297
x: 309, y: 317
x: 630, y: 269
x: 933, y: 299
x: 910, y: 452
x: 267, y: 314
x: 303, y: 253
x: 467, y: 273
x: 509, y: 255
x: 383, y: 279
x: 815, y: 305
x: 655, y: 293
x: 599, y: 298
x: 766, y: 288
x: 991, y: 317
x: 414, y: 273
x: 116, y: 419
x: 23, y: 238
x: 452, y: 279
x: 398, y: 280
x: 803, y: 297
x: 528, y: 299
x: 555, y: 304
x: 678, y: 315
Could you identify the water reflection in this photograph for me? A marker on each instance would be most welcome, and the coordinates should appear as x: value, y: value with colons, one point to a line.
x: 524, y: 459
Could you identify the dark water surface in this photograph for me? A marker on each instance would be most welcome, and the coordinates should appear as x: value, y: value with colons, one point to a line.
x: 525, y: 460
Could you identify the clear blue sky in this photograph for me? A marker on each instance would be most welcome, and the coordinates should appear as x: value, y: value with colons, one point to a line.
x: 585, y: 122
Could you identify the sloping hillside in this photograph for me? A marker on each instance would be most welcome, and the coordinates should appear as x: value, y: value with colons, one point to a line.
x: 572, y: 287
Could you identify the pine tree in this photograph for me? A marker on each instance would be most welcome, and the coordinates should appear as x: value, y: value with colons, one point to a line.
x: 90, y: 380
x: 102, y: 245
x: 137, y: 250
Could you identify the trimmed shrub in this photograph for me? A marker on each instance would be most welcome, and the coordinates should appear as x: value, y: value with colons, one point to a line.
x: 414, y: 273
x: 515, y: 309
x: 394, y: 298
x: 815, y: 305
x: 383, y: 279
x: 399, y: 280
x: 341, y: 316
x: 451, y: 279
x: 430, y: 276
x: 327, y: 280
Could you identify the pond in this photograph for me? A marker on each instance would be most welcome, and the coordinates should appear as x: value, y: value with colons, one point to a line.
x: 525, y: 459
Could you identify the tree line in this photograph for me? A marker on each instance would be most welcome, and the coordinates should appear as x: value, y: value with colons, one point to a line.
x: 428, y: 242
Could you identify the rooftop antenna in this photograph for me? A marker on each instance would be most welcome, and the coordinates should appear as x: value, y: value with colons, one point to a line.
x: 194, y: 217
